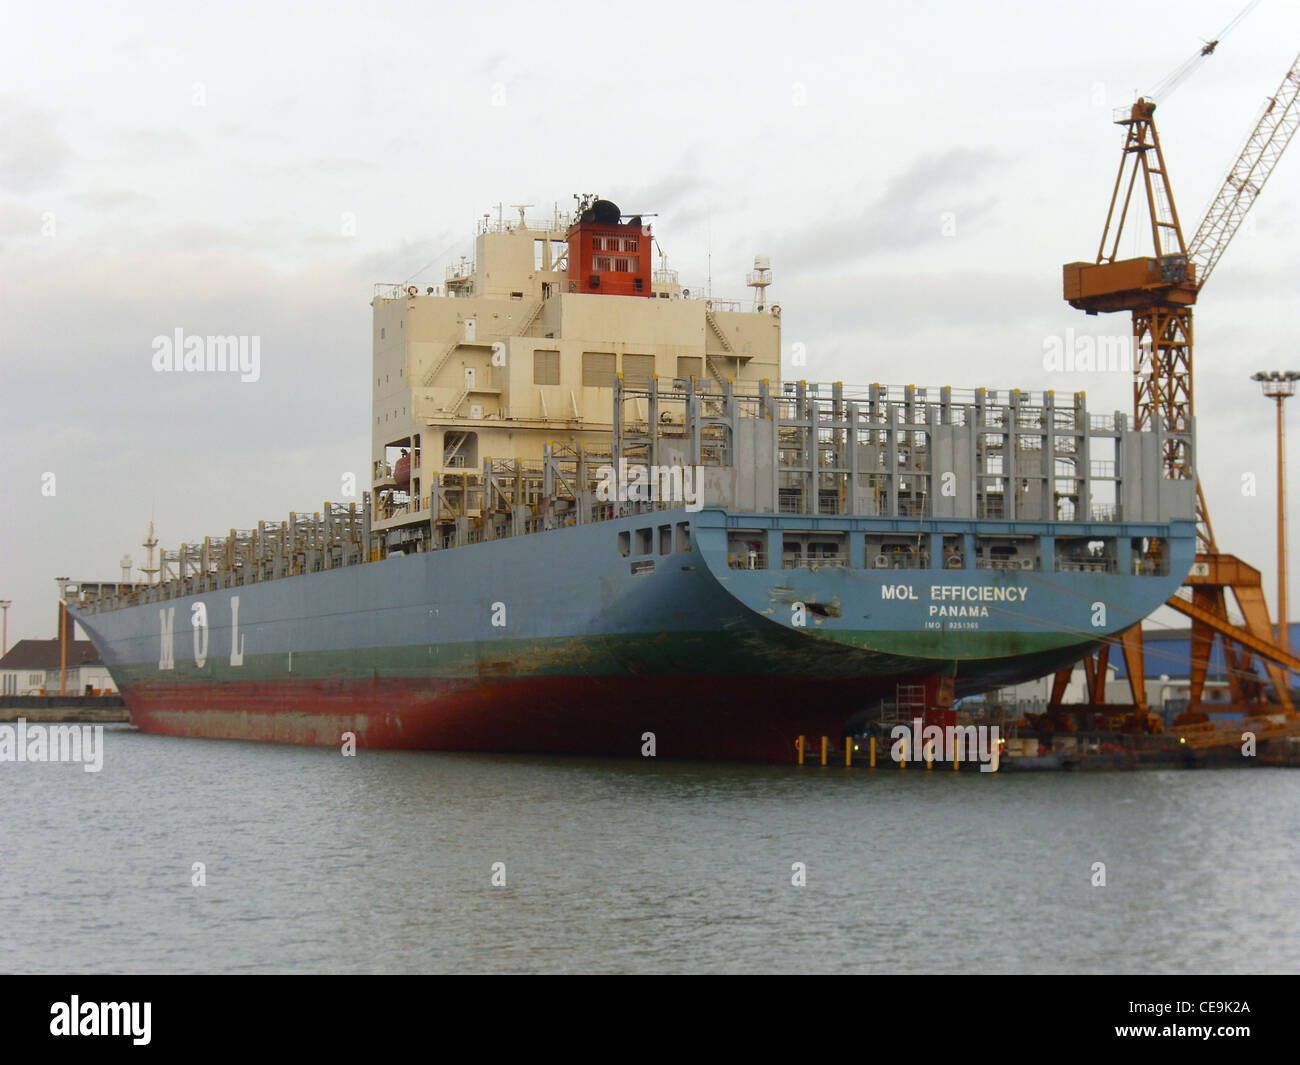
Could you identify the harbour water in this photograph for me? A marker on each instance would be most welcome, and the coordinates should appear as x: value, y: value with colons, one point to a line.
x: 384, y: 862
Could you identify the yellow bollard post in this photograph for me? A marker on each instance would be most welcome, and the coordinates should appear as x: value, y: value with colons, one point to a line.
x: 873, y: 752
x: 955, y: 763
x: 825, y: 741
x: 798, y: 746
x: 848, y: 751
x: 929, y: 754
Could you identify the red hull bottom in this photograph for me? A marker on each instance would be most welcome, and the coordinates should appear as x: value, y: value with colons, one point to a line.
x: 744, y: 718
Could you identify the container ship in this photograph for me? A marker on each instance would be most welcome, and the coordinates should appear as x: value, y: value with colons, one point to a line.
x: 598, y: 521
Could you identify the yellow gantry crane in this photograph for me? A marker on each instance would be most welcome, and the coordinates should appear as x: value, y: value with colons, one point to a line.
x: 1159, y: 291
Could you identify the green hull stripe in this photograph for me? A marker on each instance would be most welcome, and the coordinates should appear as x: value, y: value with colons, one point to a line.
x: 778, y: 652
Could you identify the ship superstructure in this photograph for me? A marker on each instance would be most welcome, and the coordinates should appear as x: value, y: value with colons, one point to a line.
x: 522, y: 346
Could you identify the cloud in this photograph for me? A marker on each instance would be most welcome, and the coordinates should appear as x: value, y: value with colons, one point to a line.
x: 686, y: 197
x: 153, y: 145
x: 32, y: 155
x: 208, y: 451
x: 111, y: 199
x: 684, y: 185
x: 913, y: 210
x: 415, y: 259
x: 342, y: 165
x: 18, y: 221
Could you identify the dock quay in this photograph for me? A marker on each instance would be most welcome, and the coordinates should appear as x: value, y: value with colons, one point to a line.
x: 1076, y: 752
x: 80, y: 709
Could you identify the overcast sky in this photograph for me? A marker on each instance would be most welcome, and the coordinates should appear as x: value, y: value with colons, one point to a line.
x: 165, y: 169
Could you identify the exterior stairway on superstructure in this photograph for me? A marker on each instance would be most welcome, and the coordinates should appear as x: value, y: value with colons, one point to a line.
x: 726, y: 344
x: 442, y: 361
x: 532, y: 317
x: 432, y: 375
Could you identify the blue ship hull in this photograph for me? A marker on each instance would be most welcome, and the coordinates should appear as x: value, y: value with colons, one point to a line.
x: 624, y: 636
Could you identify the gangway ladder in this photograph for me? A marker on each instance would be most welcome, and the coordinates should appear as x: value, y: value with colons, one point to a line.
x: 907, y: 705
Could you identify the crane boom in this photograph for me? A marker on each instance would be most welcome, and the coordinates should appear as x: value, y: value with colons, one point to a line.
x: 1264, y: 146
